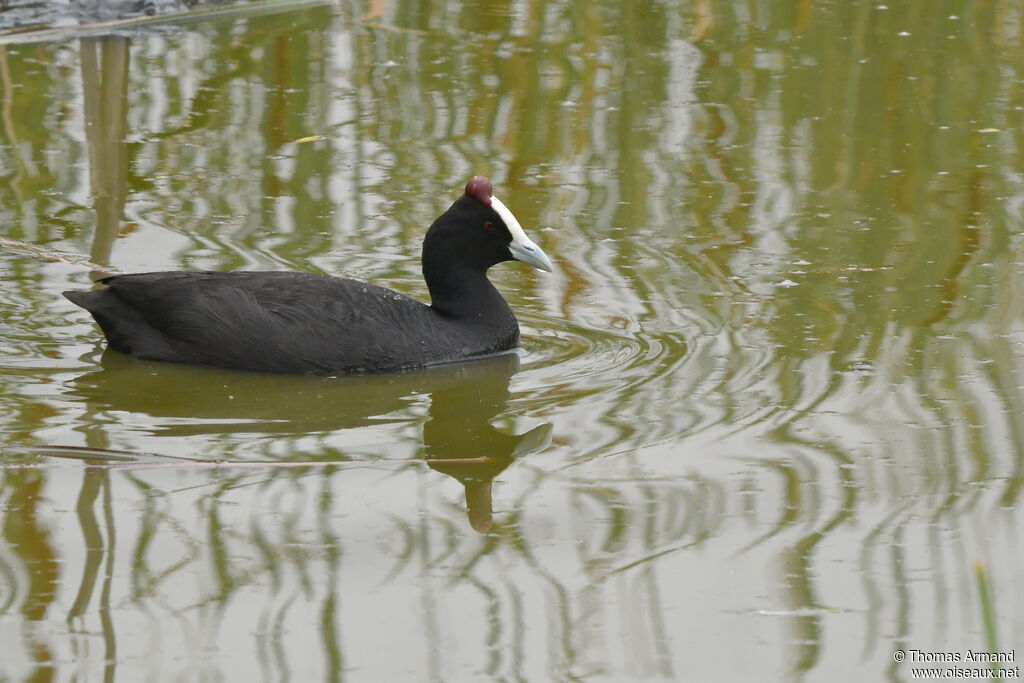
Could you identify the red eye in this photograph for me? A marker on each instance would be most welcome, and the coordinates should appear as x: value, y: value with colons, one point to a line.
x: 488, y: 226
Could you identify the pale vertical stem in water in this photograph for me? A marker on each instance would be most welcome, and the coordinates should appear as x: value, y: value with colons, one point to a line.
x: 330, y: 626
x: 988, y: 614
x: 106, y: 616
x: 104, y: 64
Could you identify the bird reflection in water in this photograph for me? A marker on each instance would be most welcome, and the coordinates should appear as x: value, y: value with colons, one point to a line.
x: 458, y: 437
x: 461, y: 442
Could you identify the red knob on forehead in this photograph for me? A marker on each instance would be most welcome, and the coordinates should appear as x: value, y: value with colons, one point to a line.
x: 479, y: 188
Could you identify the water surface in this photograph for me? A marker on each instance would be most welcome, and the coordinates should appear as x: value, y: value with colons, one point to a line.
x: 766, y: 423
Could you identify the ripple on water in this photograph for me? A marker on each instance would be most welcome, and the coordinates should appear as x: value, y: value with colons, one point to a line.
x: 617, y: 385
x: 642, y: 385
x: 590, y: 359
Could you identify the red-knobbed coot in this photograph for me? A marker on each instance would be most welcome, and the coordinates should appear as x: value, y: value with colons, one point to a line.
x: 301, y: 323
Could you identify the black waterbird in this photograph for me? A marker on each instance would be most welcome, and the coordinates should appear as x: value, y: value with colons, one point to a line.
x: 303, y: 323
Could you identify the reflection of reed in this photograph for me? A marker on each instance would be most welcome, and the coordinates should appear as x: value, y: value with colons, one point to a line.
x: 105, y: 90
x: 29, y: 558
x: 100, y: 546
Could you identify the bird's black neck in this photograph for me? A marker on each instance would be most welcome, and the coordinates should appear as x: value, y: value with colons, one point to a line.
x: 465, y: 294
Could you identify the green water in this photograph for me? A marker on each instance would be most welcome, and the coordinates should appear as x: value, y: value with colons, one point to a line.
x: 765, y: 424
